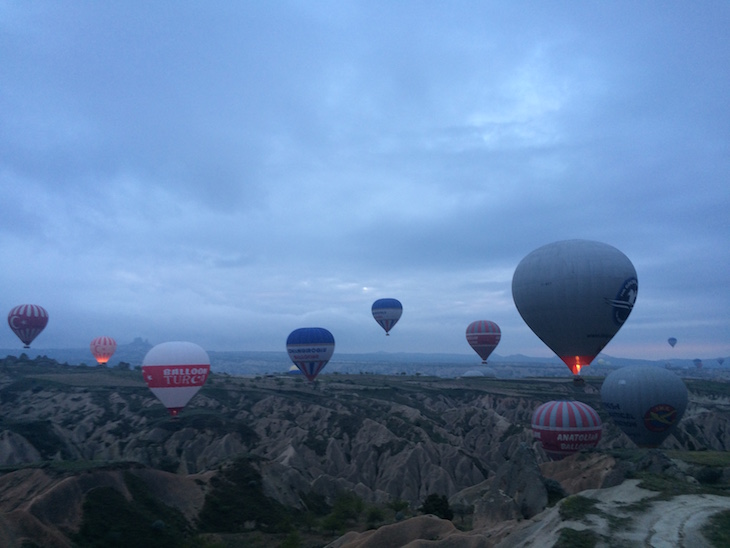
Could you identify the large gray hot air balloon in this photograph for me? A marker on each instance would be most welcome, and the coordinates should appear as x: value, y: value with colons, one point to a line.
x: 575, y: 295
x: 644, y: 401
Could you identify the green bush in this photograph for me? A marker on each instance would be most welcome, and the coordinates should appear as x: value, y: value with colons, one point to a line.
x: 315, y: 503
x: 717, y: 529
x: 438, y: 505
x: 570, y: 538
x: 398, y: 505
x: 709, y: 475
x: 348, y: 506
x: 237, y: 497
x: 374, y: 516
x: 578, y: 507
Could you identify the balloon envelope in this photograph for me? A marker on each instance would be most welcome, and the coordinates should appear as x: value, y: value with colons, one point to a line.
x: 27, y: 321
x: 645, y: 402
x: 672, y: 341
x: 310, y: 348
x: 575, y: 295
x: 175, y: 372
x: 483, y: 336
x: 102, y: 348
x: 387, y: 312
x: 566, y: 427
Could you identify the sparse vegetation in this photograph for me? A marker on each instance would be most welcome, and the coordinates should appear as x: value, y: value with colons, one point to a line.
x: 577, y: 507
x: 237, y: 503
x: 702, y: 458
x: 346, y: 510
x: 571, y: 538
x: 111, y: 520
x: 717, y: 529
x: 619, y: 523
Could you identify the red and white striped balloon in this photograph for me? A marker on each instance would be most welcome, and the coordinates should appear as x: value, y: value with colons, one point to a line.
x: 483, y: 336
x: 102, y: 349
x: 566, y: 427
x: 27, y: 321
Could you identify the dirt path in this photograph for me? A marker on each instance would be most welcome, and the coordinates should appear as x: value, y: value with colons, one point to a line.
x: 627, y: 515
x: 677, y: 522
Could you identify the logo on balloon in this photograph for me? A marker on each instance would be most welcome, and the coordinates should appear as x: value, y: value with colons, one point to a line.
x: 660, y: 417
x: 624, y: 301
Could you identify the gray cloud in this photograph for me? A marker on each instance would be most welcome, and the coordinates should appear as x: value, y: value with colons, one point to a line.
x: 226, y: 174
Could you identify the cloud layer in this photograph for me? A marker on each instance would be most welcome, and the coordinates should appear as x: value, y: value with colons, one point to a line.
x: 225, y: 174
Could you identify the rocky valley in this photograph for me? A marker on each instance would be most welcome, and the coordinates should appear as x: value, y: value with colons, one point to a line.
x: 88, y: 457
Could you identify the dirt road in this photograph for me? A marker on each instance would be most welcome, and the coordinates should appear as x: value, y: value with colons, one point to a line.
x: 627, y: 515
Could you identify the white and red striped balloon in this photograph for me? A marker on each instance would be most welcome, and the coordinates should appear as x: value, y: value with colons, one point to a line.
x: 566, y: 427
x: 102, y: 348
x: 174, y: 372
x: 483, y: 336
x: 27, y: 321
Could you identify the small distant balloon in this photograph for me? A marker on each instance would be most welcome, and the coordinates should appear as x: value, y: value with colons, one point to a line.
x: 672, y: 341
x: 102, y: 348
x: 175, y: 372
x: 645, y: 402
x: 310, y: 348
x: 720, y: 360
x: 566, y: 427
x: 483, y: 336
x: 575, y: 295
x: 698, y: 363
x: 387, y: 312
x: 27, y: 321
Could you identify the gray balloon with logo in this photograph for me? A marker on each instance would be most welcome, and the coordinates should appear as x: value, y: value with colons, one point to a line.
x: 646, y: 402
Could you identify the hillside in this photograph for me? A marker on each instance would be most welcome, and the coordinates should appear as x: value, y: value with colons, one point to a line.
x: 89, y: 457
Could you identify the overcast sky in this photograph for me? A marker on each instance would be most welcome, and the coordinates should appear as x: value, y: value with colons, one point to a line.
x: 225, y: 172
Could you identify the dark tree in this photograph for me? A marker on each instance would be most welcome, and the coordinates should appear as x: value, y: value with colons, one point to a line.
x: 438, y: 505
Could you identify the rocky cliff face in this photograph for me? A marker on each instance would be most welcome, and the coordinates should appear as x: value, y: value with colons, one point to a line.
x: 384, y: 438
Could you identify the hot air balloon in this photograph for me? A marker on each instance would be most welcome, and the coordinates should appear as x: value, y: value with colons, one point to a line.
x: 720, y: 360
x: 566, y: 427
x: 174, y: 372
x: 310, y: 348
x: 102, y: 349
x: 27, y: 321
x: 672, y: 341
x: 387, y: 312
x: 644, y: 401
x: 698, y: 363
x: 575, y: 295
x: 483, y: 336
